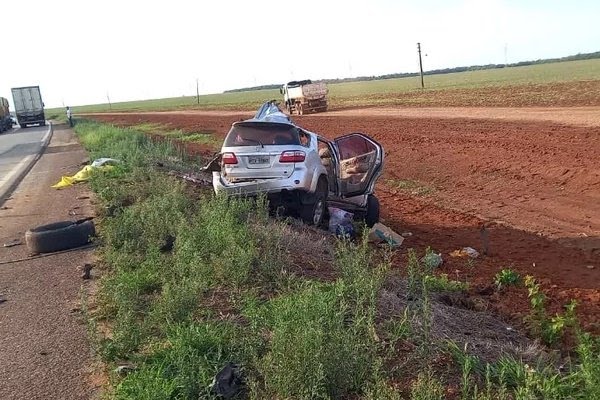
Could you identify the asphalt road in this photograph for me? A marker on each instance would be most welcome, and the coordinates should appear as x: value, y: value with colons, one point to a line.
x: 44, y: 350
x: 19, y: 148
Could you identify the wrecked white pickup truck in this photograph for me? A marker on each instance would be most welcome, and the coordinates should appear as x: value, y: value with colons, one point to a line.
x: 298, y: 169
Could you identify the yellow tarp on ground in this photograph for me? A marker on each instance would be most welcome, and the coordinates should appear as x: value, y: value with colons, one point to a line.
x: 81, y: 176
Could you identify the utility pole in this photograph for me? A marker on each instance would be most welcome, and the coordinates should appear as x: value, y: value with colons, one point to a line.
x: 108, y: 98
x: 197, y: 92
x: 420, y: 65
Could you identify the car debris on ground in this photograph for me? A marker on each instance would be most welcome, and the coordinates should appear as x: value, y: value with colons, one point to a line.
x: 228, y: 382
x: 195, y: 178
x: 465, y: 252
x: 14, y: 242
x: 383, y: 235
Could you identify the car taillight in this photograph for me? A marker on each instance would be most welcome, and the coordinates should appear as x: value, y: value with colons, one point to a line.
x: 229, y: 158
x: 292, y: 156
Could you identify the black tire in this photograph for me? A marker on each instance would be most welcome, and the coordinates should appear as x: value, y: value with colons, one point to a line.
x: 43, y: 123
x: 372, y: 215
x: 314, y: 211
x: 59, y: 236
x: 23, y: 126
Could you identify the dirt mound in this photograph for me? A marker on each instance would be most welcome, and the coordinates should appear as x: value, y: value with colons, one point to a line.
x: 458, y: 321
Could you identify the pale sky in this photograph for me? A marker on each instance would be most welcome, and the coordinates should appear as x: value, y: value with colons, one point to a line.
x: 78, y: 51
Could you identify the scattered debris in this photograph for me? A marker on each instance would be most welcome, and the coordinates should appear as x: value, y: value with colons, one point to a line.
x: 381, y: 234
x: 346, y: 231
x: 590, y: 267
x: 228, y: 382
x: 86, y: 271
x: 169, y: 242
x: 214, y: 164
x: 72, y: 213
x: 14, y: 242
x: 406, y: 234
x: 100, y: 162
x: 465, y: 252
x: 124, y: 369
x: 196, y: 179
x: 5, y: 208
x: 340, y: 220
x: 82, y: 197
x: 2, y: 300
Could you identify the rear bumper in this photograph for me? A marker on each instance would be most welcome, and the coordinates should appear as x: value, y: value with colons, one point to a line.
x: 297, y: 181
x: 31, y: 118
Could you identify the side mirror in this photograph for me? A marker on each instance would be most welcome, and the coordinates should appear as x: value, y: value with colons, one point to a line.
x: 281, y: 90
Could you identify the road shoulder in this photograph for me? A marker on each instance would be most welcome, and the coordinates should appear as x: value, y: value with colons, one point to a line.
x: 44, y: 347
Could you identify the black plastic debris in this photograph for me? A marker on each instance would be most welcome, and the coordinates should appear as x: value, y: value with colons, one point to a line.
x: 228, y: 382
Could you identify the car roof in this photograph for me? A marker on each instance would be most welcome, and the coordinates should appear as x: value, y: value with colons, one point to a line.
x: 269, y: 113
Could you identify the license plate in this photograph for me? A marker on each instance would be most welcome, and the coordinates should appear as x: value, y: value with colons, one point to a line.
x: 258, y: 160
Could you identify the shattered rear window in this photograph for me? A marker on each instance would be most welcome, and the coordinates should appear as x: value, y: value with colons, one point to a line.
x: 253, y: 134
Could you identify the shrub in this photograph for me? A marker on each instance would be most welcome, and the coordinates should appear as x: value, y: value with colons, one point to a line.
x: 507, y: 277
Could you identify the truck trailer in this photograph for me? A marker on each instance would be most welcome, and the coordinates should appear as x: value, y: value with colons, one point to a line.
x: 29, y: 106
x: 305, y: 96
x: 5, y: 119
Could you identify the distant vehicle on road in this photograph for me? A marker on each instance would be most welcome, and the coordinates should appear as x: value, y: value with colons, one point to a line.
x: 304, y: 96
x: 29, y: 106
x: 5, y: 117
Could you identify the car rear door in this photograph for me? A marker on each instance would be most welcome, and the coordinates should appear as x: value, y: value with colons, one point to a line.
x: 360, y: 162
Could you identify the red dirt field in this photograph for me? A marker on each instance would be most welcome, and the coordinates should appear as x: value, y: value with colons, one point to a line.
x: 534, y: 186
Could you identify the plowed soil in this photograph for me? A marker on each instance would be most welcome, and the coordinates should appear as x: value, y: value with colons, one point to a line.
x: 530, y: 185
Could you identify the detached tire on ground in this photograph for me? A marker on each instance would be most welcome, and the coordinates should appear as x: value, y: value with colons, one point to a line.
x: 59, y: 236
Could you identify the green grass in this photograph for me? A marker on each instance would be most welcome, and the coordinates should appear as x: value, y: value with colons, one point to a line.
x: 456, y: 88
x: 410, y: 186
x: 206, y: 138
x: 224, y: 292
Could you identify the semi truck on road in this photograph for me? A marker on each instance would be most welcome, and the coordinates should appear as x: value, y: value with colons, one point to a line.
x: 5, y: 119
x: 305, y: 96
x: 29, y: 106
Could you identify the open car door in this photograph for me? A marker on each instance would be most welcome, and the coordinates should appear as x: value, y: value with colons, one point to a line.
x: 360, y: 164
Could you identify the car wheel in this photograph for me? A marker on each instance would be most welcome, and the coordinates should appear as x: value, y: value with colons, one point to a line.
x: 372, y: 216
x: 314, y: 212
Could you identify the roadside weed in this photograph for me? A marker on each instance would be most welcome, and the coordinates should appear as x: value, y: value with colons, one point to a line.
x: 192, y: 281
x: 507, y: 277
x: 441, y: 283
